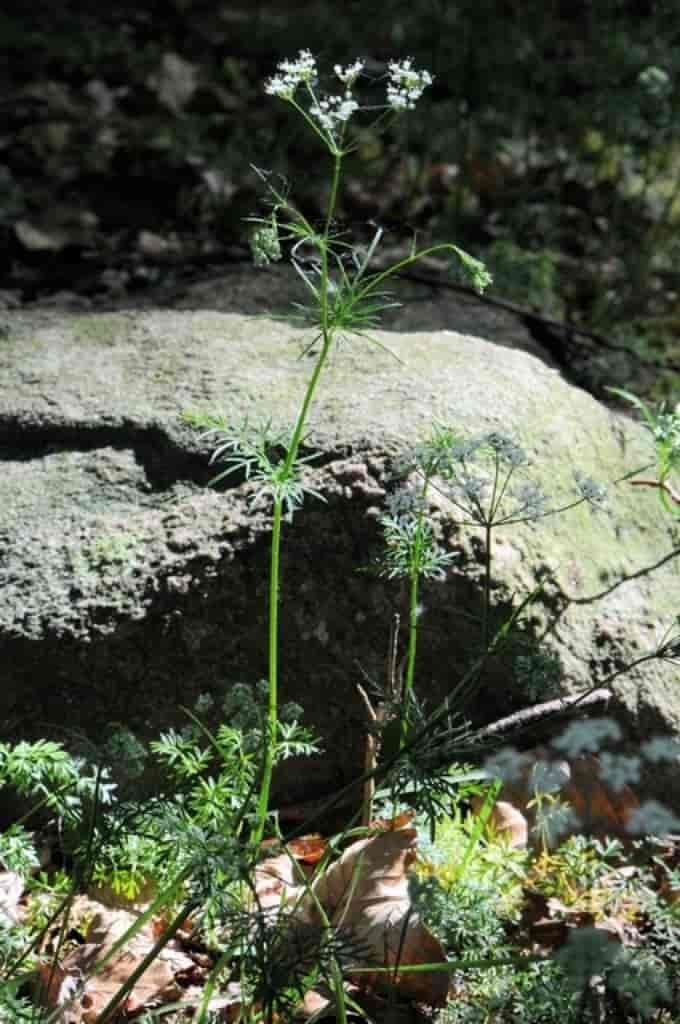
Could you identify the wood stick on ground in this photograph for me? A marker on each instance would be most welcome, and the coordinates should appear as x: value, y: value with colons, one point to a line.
x: 538, y: 712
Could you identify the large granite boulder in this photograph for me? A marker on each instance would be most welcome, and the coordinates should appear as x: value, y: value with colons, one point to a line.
x: 129, y: 586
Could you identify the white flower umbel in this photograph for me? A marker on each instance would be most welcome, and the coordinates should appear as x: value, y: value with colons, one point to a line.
x: 291, y: 74
x: 405, y: 85
x: 349, y: 75
x: 332, y: 111
x: 328, y: 113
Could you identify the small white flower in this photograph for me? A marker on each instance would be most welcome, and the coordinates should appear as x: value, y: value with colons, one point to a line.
x: 279, y: 85
x: 406, y: 85
x: 304, y: 68
x: 333, y: 110
x: 586, y: 737
x: 346, y: 109
x: 291, y: 74
x: 652, y: 819
x: 349, y: 75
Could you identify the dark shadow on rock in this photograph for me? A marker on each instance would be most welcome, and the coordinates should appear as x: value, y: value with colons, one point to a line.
x: 206, y: 628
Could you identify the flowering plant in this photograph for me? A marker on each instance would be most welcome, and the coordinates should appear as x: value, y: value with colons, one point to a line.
x: 329, y: 114
x: 346, y: 298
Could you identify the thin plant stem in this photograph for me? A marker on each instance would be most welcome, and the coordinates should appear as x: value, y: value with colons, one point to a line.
x: 416, y: 560
x: 486, y: 613
x: 412, y: 647
x: 414, y: 257
x: 337, y: 979
x: 275, y: 557
x: 333, y: 199
x: 211, y: 983
x: 481, y: 820
x: 272, y: 710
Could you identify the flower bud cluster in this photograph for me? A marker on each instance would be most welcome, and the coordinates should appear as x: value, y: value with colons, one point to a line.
x: 264, y: 243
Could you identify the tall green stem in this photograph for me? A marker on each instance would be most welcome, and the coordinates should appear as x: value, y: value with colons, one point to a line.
x: 486, y: 612
x: 412, y: 646
x: 333, y: 198
x: 414, y: 577
x: 272, y: 711
x: 275, y: 557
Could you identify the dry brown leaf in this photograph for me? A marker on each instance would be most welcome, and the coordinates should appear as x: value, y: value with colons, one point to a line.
x: 366, y: 891
x: 317, y: 1000
x: 275, y: 879
x: 308, y: 849
x: 107, y: 925
x: 155, y: 986
x: 602, y: 809
x: 391, y: 824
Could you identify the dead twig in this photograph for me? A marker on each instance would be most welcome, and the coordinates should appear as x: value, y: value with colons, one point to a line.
x: 672, y: 494
x: 538, y: 712
x: 376, y: 721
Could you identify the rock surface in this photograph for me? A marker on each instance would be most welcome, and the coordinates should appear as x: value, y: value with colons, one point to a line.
x: 129, y: 587
x: 426, y: 302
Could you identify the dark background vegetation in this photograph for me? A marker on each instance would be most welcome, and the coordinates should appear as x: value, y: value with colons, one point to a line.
x: 548, y: 145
